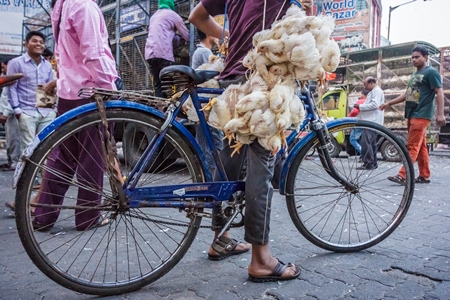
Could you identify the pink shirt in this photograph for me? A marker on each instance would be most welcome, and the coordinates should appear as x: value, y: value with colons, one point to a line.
x: 161, y: 33
x: 82, y: 51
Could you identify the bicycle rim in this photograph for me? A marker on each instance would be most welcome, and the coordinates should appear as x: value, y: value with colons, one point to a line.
x: 339, y: 220
x: 137, y: 246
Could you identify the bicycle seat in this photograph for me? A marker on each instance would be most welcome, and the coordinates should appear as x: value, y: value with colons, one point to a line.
x: 198, y: 76
x: 9, y: 79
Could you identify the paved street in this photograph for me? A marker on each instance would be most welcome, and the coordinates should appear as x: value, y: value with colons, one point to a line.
x: 412, y: 263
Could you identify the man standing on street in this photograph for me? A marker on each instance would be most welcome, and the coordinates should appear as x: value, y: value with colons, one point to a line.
x: 22, y: 94
x: 369, y: 112
x: 161, y: 37
x: 11, y: 127
x: 84, y: 59
x: 245, y: 19
x: 423, y: 86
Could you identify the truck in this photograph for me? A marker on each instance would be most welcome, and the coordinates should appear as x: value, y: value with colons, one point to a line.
x: 392, y: 67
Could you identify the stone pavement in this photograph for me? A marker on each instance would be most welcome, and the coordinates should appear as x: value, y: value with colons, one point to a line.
x: 412, y: 263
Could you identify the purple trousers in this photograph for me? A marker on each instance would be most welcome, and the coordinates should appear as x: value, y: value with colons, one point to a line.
x: 79, y: 155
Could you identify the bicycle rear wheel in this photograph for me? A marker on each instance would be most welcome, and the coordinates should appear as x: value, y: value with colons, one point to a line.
x: 137, y: 245
x: 339, y: 220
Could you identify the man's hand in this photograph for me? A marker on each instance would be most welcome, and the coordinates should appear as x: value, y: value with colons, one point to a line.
x: 440, y: 120
x: 18, y: 116
x: 384, y: 106
x: 49, y: 87
x: 356, y: 106
x: 307, y: 3
x: 3, y: 119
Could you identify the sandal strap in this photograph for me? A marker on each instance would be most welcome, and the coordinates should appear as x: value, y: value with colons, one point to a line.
x: 280, y: 268
x: 223, y: 245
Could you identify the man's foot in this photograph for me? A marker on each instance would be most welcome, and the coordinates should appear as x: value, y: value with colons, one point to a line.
x: 281, y: 271
x: 366, y: 167
x: 422, y: 179
x: 11, y: 205
x: 397, y: 179
x: 226, y: 247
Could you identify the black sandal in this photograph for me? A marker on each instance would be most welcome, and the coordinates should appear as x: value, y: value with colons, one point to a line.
x: 421, y: 179
x: 397, y: 179
x: 277, y: 274
x: 225, y: 247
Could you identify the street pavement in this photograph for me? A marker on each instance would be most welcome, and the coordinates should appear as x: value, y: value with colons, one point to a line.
x: 412, y: 263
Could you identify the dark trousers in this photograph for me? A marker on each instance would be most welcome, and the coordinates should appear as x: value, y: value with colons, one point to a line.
x: 258, y: 188
x: 369, y: 148
x: 79, y: 155
x: 156, y: 65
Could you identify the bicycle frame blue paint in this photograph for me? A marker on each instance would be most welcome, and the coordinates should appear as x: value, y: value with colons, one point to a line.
x: 300, y: 144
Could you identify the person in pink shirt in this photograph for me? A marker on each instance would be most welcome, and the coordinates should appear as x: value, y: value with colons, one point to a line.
x: 84, y: 59
x: 164, y: 23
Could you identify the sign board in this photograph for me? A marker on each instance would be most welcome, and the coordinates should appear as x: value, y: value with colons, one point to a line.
x: 133, y: 16
x: 352, y: 22
x: 12, y: 14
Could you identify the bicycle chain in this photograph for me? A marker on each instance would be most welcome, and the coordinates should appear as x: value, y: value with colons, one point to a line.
x: 180, y: 224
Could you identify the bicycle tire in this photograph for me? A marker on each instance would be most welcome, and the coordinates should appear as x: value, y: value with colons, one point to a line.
x: 137, y: 246
x: 335, y: 219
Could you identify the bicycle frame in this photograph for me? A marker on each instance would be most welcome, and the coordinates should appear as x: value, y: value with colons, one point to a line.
x: 181, y: 196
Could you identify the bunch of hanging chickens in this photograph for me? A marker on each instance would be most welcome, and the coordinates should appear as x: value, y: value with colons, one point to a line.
x: 296, y: 48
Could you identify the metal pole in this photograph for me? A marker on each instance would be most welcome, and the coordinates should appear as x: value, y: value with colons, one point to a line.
x: 191, y: 34
x: 391, y: 8
x: 389, y: 23
x: 117, y: 33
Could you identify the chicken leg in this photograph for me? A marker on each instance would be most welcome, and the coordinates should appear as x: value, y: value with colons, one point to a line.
x: 209, y: 105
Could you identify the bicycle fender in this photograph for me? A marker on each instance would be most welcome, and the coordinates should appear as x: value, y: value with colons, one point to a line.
x: 74, y: 113
x: 301, y: 143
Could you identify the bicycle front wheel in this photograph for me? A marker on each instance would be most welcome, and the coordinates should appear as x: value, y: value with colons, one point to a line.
x: 341, y: 220
x: 129, y: 247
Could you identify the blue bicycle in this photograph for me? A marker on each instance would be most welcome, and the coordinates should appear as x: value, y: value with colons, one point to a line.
x: 156, y: 195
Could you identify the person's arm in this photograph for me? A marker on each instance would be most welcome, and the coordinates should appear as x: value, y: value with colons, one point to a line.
x: 13, y: 98
x: 184, y: 32
x: 87, y: 23
x: 49, y: 87
x: 399, y: 99
x: 354, y: 112
x: 308, y: 5
x: 201, y: 19
x: 440, y: 117
x: 372, y: 102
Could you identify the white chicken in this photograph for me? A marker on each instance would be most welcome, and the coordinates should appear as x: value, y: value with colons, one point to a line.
x: 280, y: 96
x: 251, y: 102
x: 215, y: 63
x: 273, y: 49
x: 264, y: 124
x: 240, y: 124
x: 261, y: 36
x: 257, y: 62
x: 284, y: 119
x: 297, y: 111
x: 331, y: 55
x: 273, y: 142
x: 295, y: 48
x: 222, y: 108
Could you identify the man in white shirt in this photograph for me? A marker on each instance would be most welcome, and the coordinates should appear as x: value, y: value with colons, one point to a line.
x: 369, y: 111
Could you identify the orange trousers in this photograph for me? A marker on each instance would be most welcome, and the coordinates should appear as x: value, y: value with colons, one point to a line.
x: 417, y: 146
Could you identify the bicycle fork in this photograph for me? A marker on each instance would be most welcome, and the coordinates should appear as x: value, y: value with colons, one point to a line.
x: 325, y: 140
